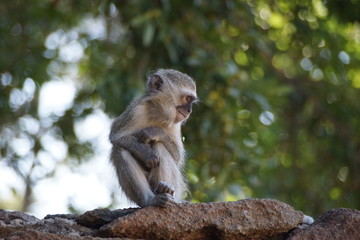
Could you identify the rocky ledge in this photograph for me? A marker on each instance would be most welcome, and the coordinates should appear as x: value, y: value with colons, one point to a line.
x: 245, y: 219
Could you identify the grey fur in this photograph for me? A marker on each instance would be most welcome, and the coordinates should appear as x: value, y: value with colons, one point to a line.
x: 147, y: 153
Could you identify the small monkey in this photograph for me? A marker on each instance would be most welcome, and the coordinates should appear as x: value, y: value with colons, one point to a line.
x: 147, y: 149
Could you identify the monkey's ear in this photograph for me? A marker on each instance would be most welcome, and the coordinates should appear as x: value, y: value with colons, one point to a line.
x: 155, y: 83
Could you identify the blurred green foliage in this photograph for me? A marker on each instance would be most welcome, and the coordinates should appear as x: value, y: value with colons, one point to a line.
x: 279, y: 83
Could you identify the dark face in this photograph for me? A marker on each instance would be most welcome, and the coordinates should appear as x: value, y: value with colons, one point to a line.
x: 183, y: 111
x: 174, y: 91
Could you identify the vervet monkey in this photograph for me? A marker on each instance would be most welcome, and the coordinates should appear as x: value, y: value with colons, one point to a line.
x: 147, y: 149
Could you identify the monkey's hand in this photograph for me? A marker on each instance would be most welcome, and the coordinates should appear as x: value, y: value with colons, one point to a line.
x: 150, y: 135
x: 143, y: 153
x: 146, y: 156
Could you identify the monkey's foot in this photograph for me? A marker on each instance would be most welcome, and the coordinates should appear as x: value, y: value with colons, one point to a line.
x: 164, y: 187
x: 163, y: 200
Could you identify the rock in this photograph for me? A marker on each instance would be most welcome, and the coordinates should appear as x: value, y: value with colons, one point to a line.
x: 100, y: 217
x: 18, y: 223
x: 7, y: 216
x: 245, y: 219
x: 19, y: 226
x: 336, y: 224
x: 65, y: 216
x: 35, y: 235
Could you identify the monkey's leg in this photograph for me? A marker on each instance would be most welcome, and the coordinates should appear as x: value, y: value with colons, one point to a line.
x: 168, y: 172
x: 133, y: 181
x: 132, y: 177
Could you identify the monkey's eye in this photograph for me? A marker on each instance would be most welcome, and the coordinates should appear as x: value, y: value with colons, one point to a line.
x: 189, y: 98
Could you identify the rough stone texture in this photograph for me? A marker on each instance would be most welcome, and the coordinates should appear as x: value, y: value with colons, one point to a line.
x: 99, y: 217
x: 7, y: 217
x: 336, y: 224
x: 14, y: 225
x: 246, y: 219
x: 35, y: 235
x: 253, y: 219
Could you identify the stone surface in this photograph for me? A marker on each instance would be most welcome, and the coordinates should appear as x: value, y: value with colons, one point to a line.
x: 261, y: 219
x: 7, y: 216
x: 99, y: 217
x: 36, y: 235
x: 17, y: 224
x: 245, y: 219
x: 336, y: 224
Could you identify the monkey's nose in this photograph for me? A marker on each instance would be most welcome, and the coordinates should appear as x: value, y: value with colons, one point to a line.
x: 189, y: 108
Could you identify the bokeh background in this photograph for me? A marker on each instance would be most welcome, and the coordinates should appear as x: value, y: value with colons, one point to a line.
x: 279, y: 83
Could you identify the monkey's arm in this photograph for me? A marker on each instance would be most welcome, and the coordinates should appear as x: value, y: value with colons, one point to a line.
x: 151, y: 135
x: 142, y: 152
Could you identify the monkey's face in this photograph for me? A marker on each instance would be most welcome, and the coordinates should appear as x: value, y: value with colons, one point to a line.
x: 171, y: 94
x: 185, y: 108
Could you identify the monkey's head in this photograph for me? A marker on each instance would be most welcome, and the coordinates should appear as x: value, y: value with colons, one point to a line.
x: 170, y: 95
